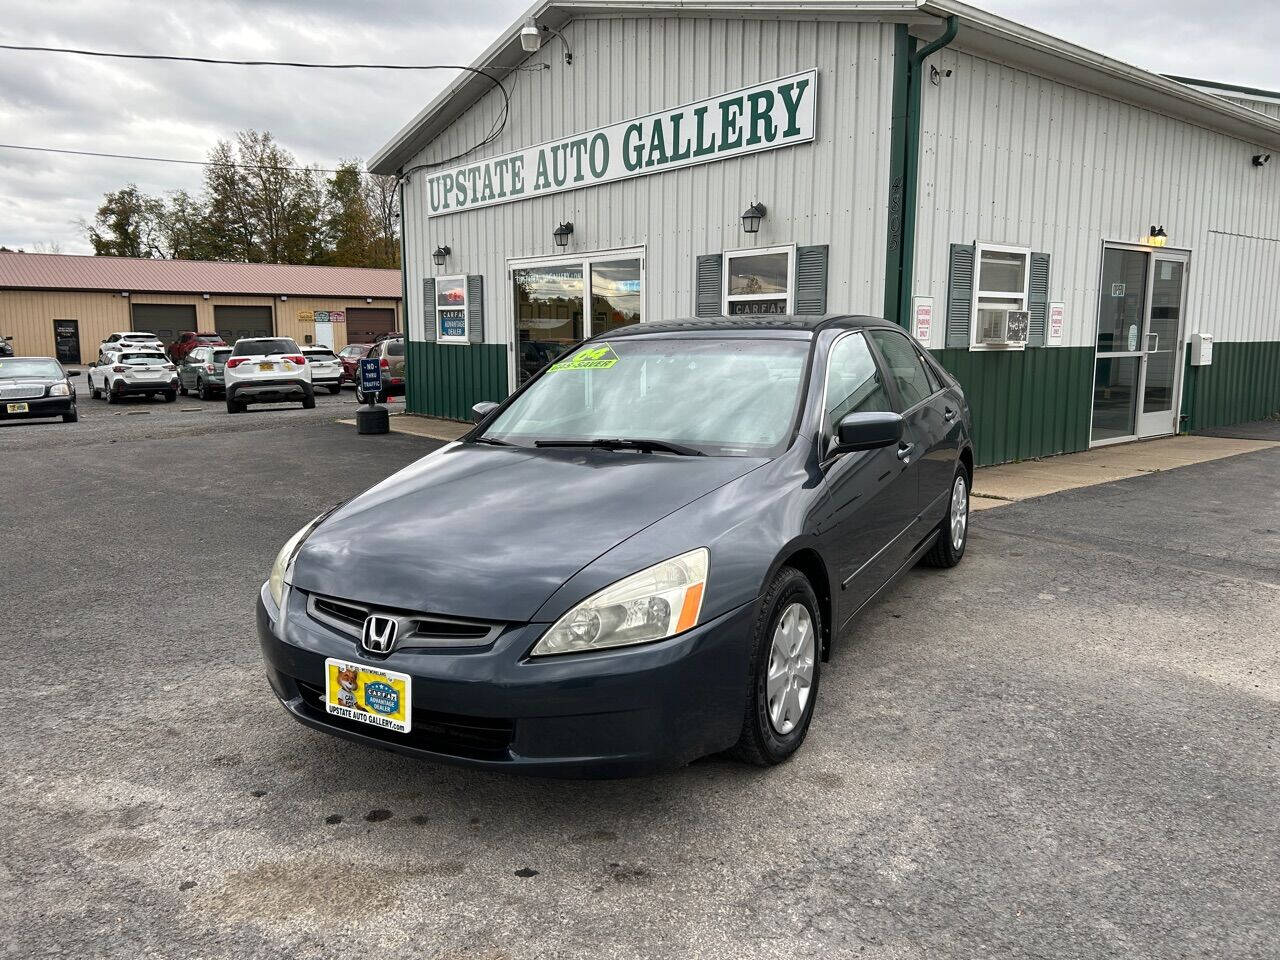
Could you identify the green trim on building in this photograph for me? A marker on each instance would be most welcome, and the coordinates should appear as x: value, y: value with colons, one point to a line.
x: 1242, y: 383
x: 448, y: 379
x: 1025, y: 403
x: 903, y: 47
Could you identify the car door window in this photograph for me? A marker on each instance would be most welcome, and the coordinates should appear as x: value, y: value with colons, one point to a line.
x: 854, y: 384
x: 905, y: 367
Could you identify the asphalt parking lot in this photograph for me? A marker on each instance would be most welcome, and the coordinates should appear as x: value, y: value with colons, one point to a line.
x: 1069, y: 746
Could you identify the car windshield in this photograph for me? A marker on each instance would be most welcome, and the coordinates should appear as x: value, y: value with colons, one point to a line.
x: 220, y: 356
x: 29, y: 367
x: 264, y: 348
x: 321, y: 355
x: 722, y: 397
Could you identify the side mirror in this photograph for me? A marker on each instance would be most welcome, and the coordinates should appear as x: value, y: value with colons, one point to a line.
x: 482, y: 409
x: 74, y: 373
x: 866, y: 431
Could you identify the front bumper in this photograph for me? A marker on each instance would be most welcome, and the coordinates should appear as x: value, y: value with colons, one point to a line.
x: 38, y: 407
x: 268, y: 390
x: 623, y: 712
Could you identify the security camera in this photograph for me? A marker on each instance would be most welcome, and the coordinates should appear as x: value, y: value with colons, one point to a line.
x: 530, y: 37
x: 1261, y: 159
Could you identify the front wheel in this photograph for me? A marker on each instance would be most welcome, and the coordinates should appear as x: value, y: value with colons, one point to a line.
x: 953, y: 531
x: 112, y: 395
x: 182, y: 388
x: 786, y: 660
x: 202, y: 390
x: 71, y: 417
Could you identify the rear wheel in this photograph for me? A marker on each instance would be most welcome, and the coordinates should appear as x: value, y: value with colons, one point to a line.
x: 182, y: 388
x: 335, y: 389
x: 308, y: 401
x: 172, y: 395
x: 113, y: 395
x: 953, y: 531
x: 786, y: 662
x: 235, y: 406
x: 203, y: 391
x: 94, y: 392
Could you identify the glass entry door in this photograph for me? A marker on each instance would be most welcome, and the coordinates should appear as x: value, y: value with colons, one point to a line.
x: 551, y: 299
x: 1138, y: 364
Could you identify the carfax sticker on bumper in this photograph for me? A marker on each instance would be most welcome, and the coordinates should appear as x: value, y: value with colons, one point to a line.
x: 357, y: 691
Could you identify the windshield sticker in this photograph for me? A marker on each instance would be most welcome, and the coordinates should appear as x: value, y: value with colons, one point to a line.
x: 589, y: 358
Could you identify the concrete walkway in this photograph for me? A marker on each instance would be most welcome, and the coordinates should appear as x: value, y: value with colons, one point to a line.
x: 430, y: 427
x: 1011, y: 482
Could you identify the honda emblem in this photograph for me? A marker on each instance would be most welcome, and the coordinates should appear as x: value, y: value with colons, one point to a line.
x: 379, y: 633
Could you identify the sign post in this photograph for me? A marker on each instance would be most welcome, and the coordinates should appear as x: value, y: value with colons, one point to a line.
x: 372, y: 418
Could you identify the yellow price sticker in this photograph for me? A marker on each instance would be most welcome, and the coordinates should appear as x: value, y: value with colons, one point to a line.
x: 590, y: 358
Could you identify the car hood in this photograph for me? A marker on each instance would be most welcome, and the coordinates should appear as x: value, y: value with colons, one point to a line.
x: 492, y: 532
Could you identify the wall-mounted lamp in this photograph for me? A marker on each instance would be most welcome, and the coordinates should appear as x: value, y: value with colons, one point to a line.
x: 283, y: 297
x: 439, y: 254
x: 752, y: 216
x: 204, y: 296
x: 1157, y: 237
x: 531, y: 39
x: 1261, y: 159
x: 368, y: 299
x: 124, y: 293
x: 936, y: 76
x: 562, y: 234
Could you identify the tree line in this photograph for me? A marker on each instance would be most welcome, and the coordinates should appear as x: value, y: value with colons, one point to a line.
x: 257, y: 205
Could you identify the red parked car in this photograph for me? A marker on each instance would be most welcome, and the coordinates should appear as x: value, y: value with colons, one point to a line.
x: 187, y: 342
x: 350, y: 356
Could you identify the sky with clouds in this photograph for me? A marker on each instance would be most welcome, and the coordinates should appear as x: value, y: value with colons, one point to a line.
x: 179, y: 110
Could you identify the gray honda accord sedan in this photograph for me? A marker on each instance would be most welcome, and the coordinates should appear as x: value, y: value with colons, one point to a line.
x: 641, y: 557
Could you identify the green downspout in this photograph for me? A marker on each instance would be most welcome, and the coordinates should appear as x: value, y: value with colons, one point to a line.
x: 904, y: 171
x: 404, y: 303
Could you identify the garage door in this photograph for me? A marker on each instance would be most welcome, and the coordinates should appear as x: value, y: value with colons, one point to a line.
x: 366, y: 324
x: 165, y: 320
x: 232, y: 323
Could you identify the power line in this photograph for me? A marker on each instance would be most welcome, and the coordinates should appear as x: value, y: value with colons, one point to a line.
x: 500, y: 122
x: 193, y: 163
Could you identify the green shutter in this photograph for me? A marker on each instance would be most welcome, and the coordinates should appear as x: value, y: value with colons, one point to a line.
x: 475, y: 308
x: 960, y: 295
x: 1038, y: 299
x: 706, y: 294
x: 429, y: 309
x: 811, y: 280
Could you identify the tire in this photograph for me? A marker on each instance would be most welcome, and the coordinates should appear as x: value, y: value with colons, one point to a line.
x: 172, y: 395
x: 182, y: 388
x: 203, y: 391
x: 94, y: 392
x: 360, y: 397
x: 771, y: 733
x: 335, y: 390
x: 946, y: 552
x: 235, y: 406
x: 71, y: 417
x: 112, y: 396
x: 308, y: 401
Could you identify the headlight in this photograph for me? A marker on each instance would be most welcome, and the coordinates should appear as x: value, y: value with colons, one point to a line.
x: 275, y: 583
x: 653, y: 604
x: 60, y: 390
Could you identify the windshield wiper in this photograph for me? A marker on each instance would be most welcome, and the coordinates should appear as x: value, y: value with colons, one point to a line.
x: 626, y: 443
x: 493, y: 440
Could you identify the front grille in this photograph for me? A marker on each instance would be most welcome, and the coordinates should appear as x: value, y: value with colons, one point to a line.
x: 474, y: 738
x: 424, y: 630
x: 21, y: 391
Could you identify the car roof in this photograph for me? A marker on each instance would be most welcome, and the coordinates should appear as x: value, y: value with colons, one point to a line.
x: 51, y: 359
x: 792, y: 324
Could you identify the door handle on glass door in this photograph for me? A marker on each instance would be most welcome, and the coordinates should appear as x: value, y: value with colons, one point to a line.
x: 904, y: 452
x: 1150, y: 348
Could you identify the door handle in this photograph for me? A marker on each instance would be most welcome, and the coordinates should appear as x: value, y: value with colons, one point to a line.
x: 1150, y: 348
x: 904, y: 452
x: 949, y: 415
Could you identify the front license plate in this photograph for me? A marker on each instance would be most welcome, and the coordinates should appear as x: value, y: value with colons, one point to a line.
x: 17, y: 408
x: 357, y: 691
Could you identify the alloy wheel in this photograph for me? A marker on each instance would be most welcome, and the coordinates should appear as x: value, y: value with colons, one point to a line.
x: 959, y: 512
x: 791, y: 662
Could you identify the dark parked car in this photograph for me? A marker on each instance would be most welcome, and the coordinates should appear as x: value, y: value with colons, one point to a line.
x: 641, y: 557
x: 389, y: 353
x: 350, y: 356
x: 6, y: 346
x: 200, y: 372
x: 188, y: 341
x: 33, y: 387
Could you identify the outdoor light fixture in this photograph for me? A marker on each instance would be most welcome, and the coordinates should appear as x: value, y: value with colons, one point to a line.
x: 283, y: 298
x: 530, y: 37
x: 204, y: 296
x: 368, y: 299
x: 438, y: 255
x: 1157, y: 237
x: 1261, y: 159
x: 562, y: 234
x: 124, y: 293
x: 752, y: 216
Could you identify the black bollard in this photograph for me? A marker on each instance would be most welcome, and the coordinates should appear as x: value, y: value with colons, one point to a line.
x: 372, y: 419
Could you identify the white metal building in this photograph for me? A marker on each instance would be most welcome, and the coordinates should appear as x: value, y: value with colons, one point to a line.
x: 1058, y: 226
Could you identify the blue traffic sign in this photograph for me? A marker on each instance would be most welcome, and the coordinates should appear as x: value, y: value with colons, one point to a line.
x: 370, y: 376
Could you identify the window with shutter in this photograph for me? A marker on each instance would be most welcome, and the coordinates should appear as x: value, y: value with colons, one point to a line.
x: 452, y: 310
x: 759, y: 281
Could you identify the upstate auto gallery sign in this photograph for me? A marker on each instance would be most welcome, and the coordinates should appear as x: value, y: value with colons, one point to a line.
x: 769, y: 115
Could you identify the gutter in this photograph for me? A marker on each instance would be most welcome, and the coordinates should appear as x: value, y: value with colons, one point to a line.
x: 404, y: 298
x: 904, y: 166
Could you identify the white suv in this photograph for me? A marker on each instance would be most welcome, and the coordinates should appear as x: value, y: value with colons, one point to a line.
x: 121, y: 373
x: 267, y: 370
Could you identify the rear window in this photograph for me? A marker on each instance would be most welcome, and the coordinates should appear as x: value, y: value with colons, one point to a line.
x: 220, y: 356
x: 141, y: 359
x: 320, y: 355
x: 395, y: 348
x: 208, y: 338
x: 264, y: 348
